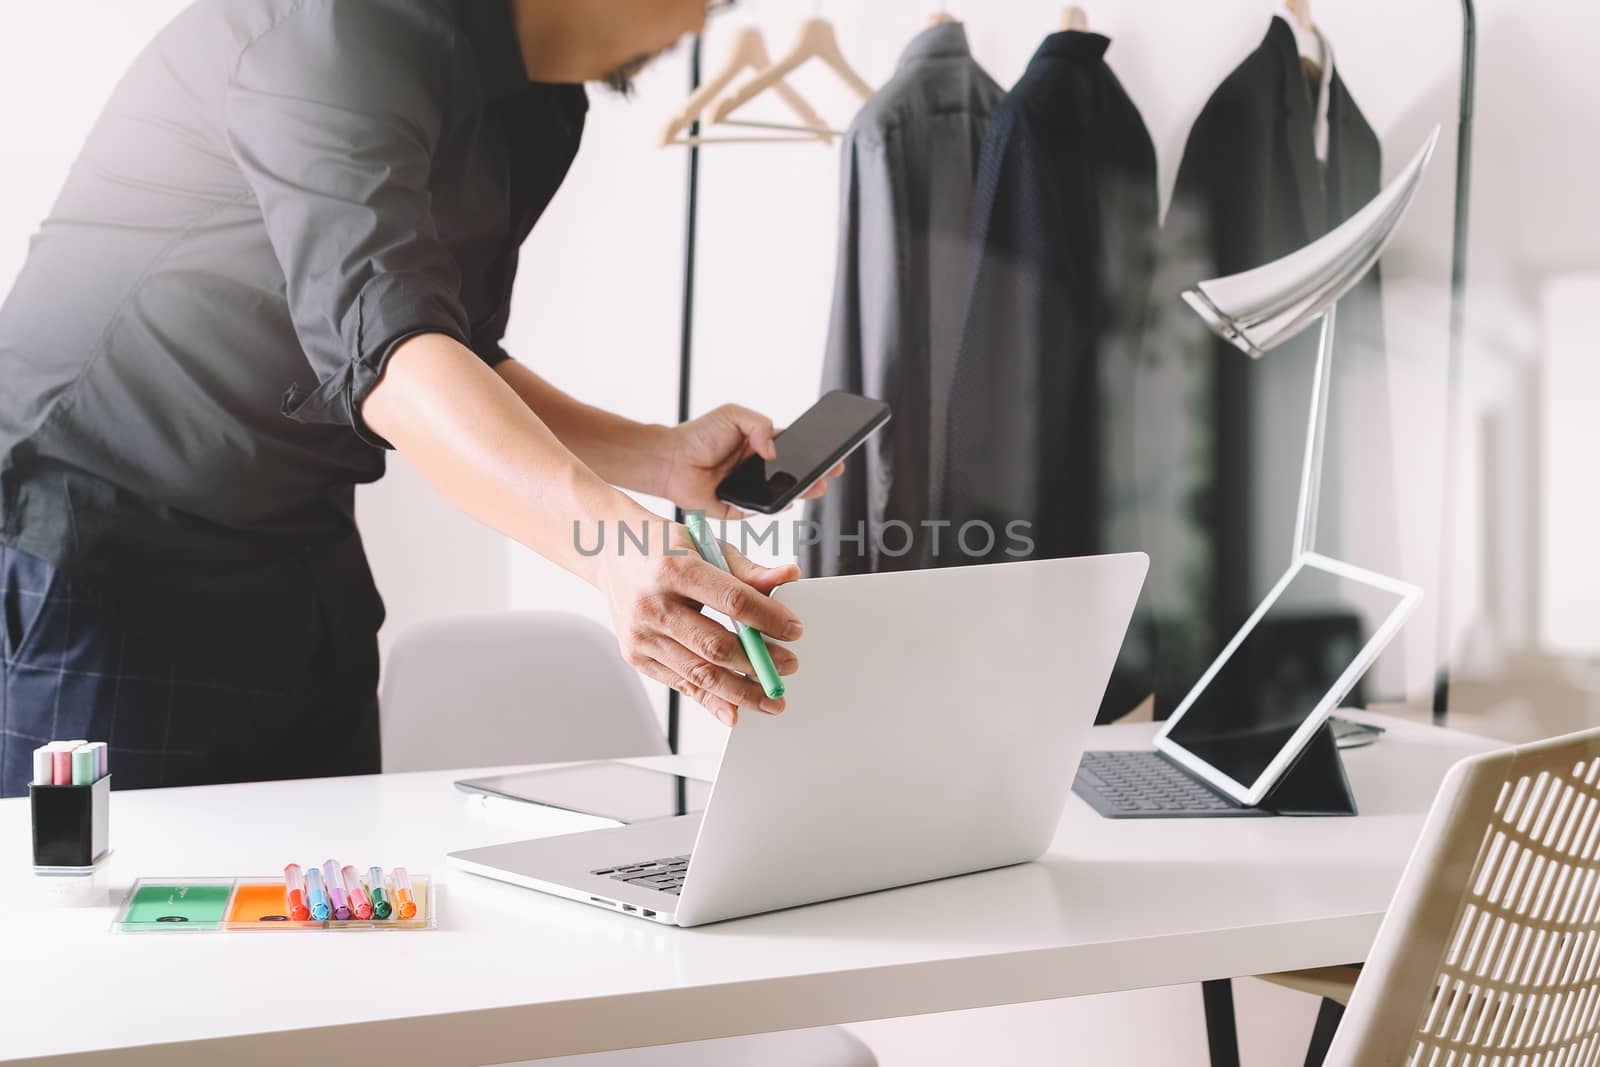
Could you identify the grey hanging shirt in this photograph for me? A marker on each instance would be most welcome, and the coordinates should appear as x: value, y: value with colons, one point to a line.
x: 906, y: 189
x: 277, y: 192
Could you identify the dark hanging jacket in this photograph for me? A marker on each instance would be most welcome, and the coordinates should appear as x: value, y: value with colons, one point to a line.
x: 1220, y: 435
x: 908, y: 163
x: 1062, y: 244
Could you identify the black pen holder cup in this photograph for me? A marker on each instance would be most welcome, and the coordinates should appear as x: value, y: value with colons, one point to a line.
x: 71, y: 826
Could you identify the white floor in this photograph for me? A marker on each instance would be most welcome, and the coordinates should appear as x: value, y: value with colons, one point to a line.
x: 1151, y: 1027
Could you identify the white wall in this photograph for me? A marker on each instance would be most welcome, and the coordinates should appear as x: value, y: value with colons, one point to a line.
x: 1569, y: 495
x: 57, y: 66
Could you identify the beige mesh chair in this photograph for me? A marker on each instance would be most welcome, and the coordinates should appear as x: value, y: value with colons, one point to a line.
x: 541, y: 687
x: 1489, y: 955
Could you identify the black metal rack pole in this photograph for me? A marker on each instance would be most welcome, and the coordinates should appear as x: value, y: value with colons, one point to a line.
x: 1453, y: 368
x: 686, y: 335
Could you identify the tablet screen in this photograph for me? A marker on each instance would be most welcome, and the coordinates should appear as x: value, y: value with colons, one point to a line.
x: 617, y: 791
x: 1282, y: 670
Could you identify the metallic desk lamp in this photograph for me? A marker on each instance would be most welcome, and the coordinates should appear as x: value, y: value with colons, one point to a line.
x: 1259, y: 309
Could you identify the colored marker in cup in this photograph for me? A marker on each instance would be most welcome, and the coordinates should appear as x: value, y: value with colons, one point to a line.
x: 360, y: 903
x: 335, y: 884
x: 102, y: 757
x: 62, y: 768
x: 294, y: 893
x: 84, y: 763
x: 380, y: 901
x: 405, y: 905
x: 317, y: 895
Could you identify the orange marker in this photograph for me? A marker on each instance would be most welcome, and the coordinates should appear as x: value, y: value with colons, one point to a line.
x: 294, y: 893
x: 405, y: 905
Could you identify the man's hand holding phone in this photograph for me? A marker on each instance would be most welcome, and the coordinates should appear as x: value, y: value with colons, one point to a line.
x: 704, y: 451
x: 801, y: 458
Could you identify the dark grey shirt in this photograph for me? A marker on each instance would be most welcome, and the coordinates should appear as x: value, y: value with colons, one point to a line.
x: 906, y: 190
x: 276, y: 193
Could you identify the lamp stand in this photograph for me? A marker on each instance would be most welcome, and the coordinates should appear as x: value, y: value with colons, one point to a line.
x: 1305, y: 522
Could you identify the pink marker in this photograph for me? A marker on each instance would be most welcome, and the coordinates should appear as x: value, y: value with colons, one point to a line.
x: 62, y: 758
x: 356, y: 893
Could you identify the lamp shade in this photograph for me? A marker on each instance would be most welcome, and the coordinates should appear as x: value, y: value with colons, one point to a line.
x: 1257, y: 310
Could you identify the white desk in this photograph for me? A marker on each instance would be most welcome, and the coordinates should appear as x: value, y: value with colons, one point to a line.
x: 514, y: 974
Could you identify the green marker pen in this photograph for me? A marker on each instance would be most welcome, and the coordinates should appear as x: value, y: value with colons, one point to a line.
x: 755, y: 646
x: 380, y: 901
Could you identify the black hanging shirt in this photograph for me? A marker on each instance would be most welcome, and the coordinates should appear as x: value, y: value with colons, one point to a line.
x: 1062, y: 246
x: 1064, y: 222
x: 1221, y: 436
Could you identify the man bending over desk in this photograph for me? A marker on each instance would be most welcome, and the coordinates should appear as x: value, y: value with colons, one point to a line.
x: 289, y: 245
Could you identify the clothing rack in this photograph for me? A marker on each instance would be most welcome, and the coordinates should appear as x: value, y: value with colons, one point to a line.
x: 1453, y: 361
x: 686, y: 339
x: 1452, y: 372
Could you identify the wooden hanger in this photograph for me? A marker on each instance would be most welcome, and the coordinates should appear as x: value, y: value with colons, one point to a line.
x: 1306, y: 36
x: 749, y: 52
x: 816, y: 41
x: 1074, y: 17
x: 1300, y: 11
x: 941, y: 16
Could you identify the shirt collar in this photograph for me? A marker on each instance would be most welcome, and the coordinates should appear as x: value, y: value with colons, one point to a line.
x: 492, y: 33
x: 1324, y: 94
x: 1074, y: 44
x: 944, y: 40
x: 1281, y: 39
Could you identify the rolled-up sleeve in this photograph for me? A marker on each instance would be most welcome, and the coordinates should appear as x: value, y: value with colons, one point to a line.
x: 334, y: 115
x: 488, y: 336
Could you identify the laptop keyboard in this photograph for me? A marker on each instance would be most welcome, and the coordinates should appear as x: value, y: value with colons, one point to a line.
x: 1142, y: 785
x: 664, y: 875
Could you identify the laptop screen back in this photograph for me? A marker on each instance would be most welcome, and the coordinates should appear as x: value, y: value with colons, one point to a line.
x: 1281, y: 672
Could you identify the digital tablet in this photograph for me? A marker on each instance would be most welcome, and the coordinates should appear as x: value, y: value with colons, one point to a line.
x: 617, y: 791
x: 1269, y: 691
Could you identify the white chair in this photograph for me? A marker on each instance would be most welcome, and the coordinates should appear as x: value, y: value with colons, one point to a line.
x: 511, y: 687
x: 1489, y: 955
x: 540, y: 687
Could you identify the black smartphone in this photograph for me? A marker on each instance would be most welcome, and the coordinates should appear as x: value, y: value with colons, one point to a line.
x: 834, y: 427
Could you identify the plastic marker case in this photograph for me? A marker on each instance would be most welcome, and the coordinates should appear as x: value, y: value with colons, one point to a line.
x: 169, y: 905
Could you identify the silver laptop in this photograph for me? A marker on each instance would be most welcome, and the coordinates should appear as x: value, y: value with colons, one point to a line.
x: 933, y: 729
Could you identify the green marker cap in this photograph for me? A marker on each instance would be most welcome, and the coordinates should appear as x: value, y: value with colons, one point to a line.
x: 380, y: 903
